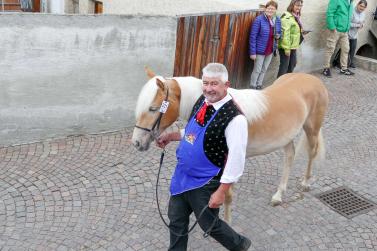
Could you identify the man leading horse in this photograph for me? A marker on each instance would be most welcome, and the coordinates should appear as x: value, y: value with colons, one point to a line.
x: 211, y: 157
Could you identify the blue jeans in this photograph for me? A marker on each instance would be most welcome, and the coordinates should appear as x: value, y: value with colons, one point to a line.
x: 182, y: 205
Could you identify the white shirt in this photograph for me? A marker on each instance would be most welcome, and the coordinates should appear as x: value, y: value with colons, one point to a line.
x: 236, y: 134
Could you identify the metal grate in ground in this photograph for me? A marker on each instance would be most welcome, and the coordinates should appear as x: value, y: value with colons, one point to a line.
x: 346, y: 202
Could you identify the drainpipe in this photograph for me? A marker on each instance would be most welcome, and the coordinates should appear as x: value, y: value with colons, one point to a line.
x: 2, y: 5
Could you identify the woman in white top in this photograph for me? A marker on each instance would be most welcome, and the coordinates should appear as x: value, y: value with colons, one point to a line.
x: 357, y: 22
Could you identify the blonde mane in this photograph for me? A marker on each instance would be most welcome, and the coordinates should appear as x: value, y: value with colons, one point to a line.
x: 146, y: 96
x: 252, y: 103
x: 191, y: 89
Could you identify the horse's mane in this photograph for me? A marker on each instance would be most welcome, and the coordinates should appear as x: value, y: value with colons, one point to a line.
x: 191, y: 89
x: 146, y: 96
x: 251, y: 102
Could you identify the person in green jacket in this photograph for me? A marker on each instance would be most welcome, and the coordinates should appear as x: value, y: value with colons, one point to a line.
x: 338, y: 20
x: 292, y: 35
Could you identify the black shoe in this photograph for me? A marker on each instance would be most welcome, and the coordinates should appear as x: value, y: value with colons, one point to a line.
x: 352, y: 65
x: 346, y: 72
x: 259, y: 87
x: 326, y: 72
x: 245, y: 244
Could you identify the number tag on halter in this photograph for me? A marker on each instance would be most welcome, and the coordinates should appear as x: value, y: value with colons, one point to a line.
x: 164, y: 106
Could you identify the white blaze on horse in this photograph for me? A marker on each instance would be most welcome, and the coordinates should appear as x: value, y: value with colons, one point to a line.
x: 275, y: 116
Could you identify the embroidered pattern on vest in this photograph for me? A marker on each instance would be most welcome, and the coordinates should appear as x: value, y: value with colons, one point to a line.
x: 215, y: 146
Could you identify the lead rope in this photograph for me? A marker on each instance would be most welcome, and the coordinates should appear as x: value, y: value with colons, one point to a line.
x: 206, y: 233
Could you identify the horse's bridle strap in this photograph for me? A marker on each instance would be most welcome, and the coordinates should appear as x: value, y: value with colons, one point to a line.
x: 142, y: 128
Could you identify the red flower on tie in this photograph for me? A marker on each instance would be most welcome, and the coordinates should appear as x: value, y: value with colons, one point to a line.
x: 201, y: 113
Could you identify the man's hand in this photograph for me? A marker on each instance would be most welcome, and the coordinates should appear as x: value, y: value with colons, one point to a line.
x: 253, y: 57
x: 165, y: 138
x: 287, y: 53
x: 218, y: 197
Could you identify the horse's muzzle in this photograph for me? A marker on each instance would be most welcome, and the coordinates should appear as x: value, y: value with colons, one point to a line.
x: 139, y: 146
x: 141, y: 139
x: 136, y: 144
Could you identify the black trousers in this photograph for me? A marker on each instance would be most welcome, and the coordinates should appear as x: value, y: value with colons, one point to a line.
x: 353, y: 44
x: 182, y: 205
x: 287, y: 64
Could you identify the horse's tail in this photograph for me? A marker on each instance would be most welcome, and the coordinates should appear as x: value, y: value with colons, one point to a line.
x: 303, y: 144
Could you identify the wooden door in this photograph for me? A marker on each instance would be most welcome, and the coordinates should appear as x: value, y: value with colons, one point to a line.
x: 98, y: 7
x: 222, y: 38
x: 36, y: 5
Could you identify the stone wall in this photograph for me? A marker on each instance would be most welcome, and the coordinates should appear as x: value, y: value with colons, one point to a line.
x: 64, y: 74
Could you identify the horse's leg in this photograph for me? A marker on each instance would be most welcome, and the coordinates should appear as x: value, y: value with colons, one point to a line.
x: 227, y: 205
x: 289, y: 151
x: 313, y: 142
x: 314, y: 147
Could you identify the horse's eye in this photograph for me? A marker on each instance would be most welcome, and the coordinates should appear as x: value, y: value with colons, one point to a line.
x: 153, y: 109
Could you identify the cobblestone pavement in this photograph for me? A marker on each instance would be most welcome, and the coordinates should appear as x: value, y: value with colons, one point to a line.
x: 95, y: 192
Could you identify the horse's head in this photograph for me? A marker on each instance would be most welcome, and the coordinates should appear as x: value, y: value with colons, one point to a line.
x: 152, y: 115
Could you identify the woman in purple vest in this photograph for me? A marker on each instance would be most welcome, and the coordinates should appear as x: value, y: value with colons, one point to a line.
x: 264, y: 33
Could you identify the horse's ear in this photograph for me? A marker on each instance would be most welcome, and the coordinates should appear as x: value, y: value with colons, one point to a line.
x: 149, y: 72
x: 160, y: 84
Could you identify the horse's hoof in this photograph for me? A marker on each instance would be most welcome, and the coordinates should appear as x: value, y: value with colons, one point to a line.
x: 305, y: 188
x: 275, y: 203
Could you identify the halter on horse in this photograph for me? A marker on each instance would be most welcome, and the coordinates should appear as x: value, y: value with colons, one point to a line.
x: 156, y: 125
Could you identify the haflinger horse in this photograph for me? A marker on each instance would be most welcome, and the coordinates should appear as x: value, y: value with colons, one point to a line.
x: 276, y: 115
